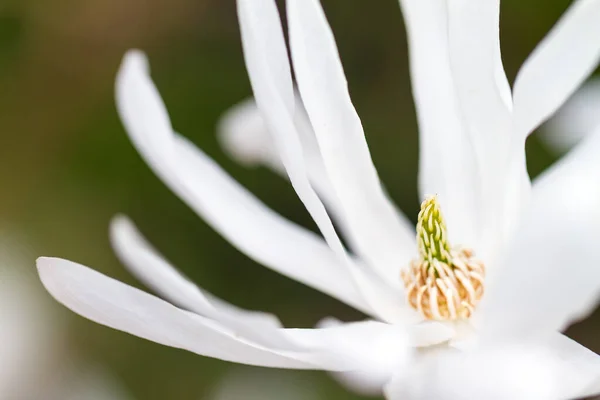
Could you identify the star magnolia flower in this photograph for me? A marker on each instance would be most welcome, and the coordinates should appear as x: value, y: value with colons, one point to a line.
x: 494, y: 259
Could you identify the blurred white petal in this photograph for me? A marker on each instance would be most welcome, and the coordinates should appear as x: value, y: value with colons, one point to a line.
x: 231, y: 210
x: 156, y: 272
x: 577, y: 118
x: 581, y: 366
x: 550, y: 276
x: 384, y: 237
x: 513, y: 372
x: 30, y: 332
x: 243, y: 133
x: 119, y: 306
x: 446, y: 155
x: 558, y: 65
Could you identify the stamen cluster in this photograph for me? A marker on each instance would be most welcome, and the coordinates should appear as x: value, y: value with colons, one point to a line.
x: 443, y: 283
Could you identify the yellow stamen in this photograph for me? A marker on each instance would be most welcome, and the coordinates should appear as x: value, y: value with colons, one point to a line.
x: 443, y: 283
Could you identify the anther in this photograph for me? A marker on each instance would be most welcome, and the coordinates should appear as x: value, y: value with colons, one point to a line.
x: 443, y: 283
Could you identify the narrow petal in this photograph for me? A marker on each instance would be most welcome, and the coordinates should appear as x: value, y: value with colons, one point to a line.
x: 268, y: 68
x: 374, y: 296
x: 550, y: 276
x: 556, y: 68
x: 119, y: 306
x: 473, y: 30
x: 156, y: 272
x: 243, y: 133
x: 386, y: 239
x: 231, y: 210
x: 447, y: 158
x: 495, y: 373
x: 578, y: 117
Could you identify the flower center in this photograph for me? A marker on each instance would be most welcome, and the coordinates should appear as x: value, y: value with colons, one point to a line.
x: 443, y: 283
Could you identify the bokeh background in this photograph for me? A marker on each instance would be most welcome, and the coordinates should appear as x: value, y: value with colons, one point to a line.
x: 67, y: 166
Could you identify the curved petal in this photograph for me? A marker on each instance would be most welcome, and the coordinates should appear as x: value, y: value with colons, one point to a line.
x: 473, y: 30
x: 556, y: 68
x: 385, y: 239
x: 578, y: 117
x: 243, y: 133
x: 119, y: 306
x: 231, y: 210
x: 371, y: 350
x: 151, y: 268
x: 447, y: 158
x: 495, y: 373
x: 550, y: 276
x: 373, y: 295
x: 268, y: 68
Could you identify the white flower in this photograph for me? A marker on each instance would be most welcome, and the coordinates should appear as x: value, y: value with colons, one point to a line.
x: 536, y: 261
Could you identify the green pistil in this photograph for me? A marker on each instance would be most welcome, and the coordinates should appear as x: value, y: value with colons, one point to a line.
x: 431, y: 232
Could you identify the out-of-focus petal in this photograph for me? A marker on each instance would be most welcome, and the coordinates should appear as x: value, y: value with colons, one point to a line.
x: 369, y: 379
x: 371, y: 350
x: 231, y: 210
x: 119, y: 306
x: 578, y: 117
x: 385, y: 239
x: 498, y: 373
x: 550, y: 276
x: 473, y: 31
x: 156, y: 272
x: 581, y: 366
x: 244, y: 134
x: 556, y: 68
x: 446, y: 155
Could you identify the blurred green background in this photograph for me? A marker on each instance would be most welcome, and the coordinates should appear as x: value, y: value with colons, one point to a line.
x: 67, y: 166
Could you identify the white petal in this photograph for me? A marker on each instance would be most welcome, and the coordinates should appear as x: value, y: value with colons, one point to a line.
x: 231, y: 210
x: 560, y: 63
x: 578, y: 117
x: 473, y: 30
x: 156, y: 272
x: 268, y: 68
x: 550, y: 276
x: 373, y: 295
x: 371, y: 350
x: 119, y: 306
x: 373, y: 372
x: 243, y: 133
x: 447, y: 158
x: 500, y: 373
x: 581, y: 367
x: 386, y: 239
